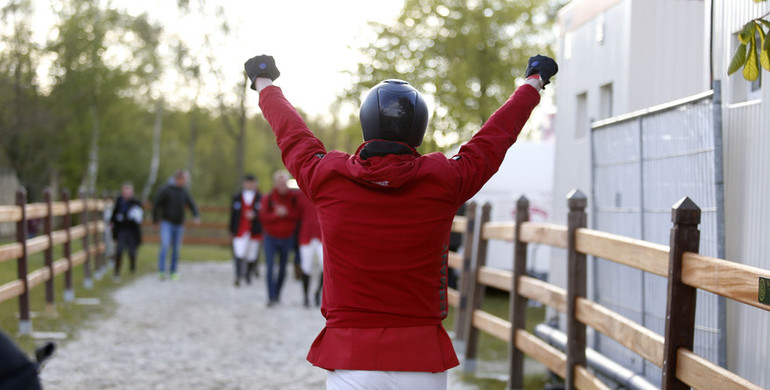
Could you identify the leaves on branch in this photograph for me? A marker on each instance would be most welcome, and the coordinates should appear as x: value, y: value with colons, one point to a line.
x: 751, y: 68
x: 752, y: 54
x: 764, y: 54
x: 739, y: 58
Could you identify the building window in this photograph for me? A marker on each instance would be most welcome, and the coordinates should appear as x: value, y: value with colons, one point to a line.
x: 605, y: 101
x: 581, y: 116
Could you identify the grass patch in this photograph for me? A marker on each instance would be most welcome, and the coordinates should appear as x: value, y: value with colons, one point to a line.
x: 496, y: 350
x: 70, y: 317
x: 198, y: 253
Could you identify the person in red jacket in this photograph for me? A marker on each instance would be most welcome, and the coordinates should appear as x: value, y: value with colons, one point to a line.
x: 310, y: 246
x: 279, y: 214
x: 386, y: 213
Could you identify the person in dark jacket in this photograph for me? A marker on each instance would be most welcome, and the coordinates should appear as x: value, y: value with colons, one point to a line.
x: 386, y: 213
x: 126, y: 224
x: 169, y: 211
x: 245, y: 229
x: 16, y: 370
x: 455, y: 243
x: 279, y: 214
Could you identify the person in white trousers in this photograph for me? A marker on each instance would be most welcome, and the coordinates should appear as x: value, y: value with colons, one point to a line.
x: 245, y: 229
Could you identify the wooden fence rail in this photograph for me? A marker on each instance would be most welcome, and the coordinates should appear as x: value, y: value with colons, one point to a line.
x: 207, y: 232
x: 90, y: 256
x: 685, y: 269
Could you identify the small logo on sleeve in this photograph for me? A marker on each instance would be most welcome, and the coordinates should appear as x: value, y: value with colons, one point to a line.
x: 383, y: 183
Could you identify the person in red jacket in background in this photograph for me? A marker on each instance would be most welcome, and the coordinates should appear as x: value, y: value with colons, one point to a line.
x: 279, y: 214
x: 386, y: 213
x: 310, y: 246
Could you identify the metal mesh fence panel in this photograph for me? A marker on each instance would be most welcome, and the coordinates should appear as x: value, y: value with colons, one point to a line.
x: 642, y: 165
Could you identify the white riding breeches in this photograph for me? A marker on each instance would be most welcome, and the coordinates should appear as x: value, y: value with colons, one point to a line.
x: 307, y: 252
x: 385, y: 380
x: 244, y: 247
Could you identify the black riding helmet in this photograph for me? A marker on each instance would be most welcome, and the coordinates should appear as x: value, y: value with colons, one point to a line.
x: 393, y: 110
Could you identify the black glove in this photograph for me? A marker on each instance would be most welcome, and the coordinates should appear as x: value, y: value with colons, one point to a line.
x: 544, y: 66
x: 261, y: 66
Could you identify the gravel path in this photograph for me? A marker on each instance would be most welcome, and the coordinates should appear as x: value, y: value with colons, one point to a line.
x: 197, y: 333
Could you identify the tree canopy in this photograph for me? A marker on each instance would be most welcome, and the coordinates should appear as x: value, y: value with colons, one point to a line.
x: 464, y: 54
x: 86, y: 107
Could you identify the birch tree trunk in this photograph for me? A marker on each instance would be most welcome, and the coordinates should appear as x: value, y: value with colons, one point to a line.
x: 240, y: 153
x: 155, y: 160
x: 92, y: 170
x: 192, y: 141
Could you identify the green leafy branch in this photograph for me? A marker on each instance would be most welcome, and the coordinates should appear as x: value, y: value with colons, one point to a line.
x: 750, y: 53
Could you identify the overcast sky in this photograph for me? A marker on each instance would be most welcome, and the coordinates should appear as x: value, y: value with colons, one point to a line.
x: 313, y: 42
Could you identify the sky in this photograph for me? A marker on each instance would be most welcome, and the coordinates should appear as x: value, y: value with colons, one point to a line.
x: 313, y: 42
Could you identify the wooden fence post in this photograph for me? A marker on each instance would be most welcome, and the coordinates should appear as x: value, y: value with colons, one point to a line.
x: 69, y: 290
x: 50, y: 299
x: 25, y: 324
x: 576, y: 286
x: 518, y: 304
x: 476, y: 296
x: 98, y: 258
x: 681, y: 299
x: 109, y: 262
x: 465, y: 273
x: 88, y: 282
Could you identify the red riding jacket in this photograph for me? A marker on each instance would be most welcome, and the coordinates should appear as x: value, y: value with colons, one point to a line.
x: 386, y: 222
x: 273, y: 224
x: 310, y: 227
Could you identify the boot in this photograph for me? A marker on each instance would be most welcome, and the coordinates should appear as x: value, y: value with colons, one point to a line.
x: 132, y: 264
x: 318, y: 291
x: 238, y: 271
x: 249, y: 270
x: 305, y: 286
x: 297, y: 271
x: 118, y: 258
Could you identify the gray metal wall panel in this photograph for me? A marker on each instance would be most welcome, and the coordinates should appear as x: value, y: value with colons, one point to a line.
x: 747, y: 185
x: 642, y: 167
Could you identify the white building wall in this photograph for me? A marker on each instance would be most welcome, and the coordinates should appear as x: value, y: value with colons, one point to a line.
x: 614, y: 41
x: 666, y: 52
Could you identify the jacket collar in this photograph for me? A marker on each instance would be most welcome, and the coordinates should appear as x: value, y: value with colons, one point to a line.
x: 378, y: 147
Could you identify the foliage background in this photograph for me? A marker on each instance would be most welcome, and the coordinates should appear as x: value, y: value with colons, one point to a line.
x: 81, y: 110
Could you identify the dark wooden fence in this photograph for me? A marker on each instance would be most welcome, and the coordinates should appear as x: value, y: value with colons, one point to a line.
x: 88, y: 230
x: 680, y: 262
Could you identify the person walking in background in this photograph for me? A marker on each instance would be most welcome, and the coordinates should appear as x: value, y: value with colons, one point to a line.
x: 126, y: 225
x: 245, y: 228
x: 279, y: 215
x: 169, y: 211
x: 310, y: 246
x: 386, y: 213
x: 455, y: 243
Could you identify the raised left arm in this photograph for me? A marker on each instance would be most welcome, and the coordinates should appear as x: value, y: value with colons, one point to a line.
x: 300, y: 149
